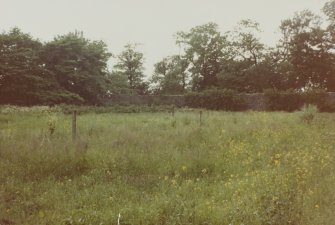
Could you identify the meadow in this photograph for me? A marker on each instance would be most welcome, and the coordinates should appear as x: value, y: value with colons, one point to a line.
x: 250, y: 168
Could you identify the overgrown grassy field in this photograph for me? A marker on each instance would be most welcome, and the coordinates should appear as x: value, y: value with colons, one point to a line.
x: 251, y: 168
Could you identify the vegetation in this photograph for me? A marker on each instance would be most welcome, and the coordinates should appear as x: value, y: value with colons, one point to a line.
x: 291, y: 100
x: 170, y: 76
x: 237, y: 168
x: 73, y: 70
x: 130, y: 65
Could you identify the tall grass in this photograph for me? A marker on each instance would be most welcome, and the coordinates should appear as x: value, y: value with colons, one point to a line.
x: 151, y: 168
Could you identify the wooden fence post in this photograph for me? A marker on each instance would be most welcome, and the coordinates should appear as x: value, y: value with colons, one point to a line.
x: 74, y: 125
x: 200, y: 118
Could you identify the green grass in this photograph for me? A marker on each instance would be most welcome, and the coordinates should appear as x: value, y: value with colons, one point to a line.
x: 237, y: 168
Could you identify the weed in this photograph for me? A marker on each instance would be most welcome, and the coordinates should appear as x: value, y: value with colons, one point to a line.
x: 308, y: 113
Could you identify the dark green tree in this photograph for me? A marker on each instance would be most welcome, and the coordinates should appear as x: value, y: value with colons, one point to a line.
x: 170, y: 76
x: 329, y: 11
x: 80, y: 65
x: 130, y: 65
x: 305, y: 53
x: 117, y: 83
x: 243, y: 43
x: 24, y: 80
x: 248, y: 68
x: 203, y: 48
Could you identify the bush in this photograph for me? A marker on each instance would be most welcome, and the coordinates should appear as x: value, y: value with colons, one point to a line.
x: 215, y: 99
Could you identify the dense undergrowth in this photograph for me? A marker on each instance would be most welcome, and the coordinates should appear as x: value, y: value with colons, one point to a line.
x: 151, y: 168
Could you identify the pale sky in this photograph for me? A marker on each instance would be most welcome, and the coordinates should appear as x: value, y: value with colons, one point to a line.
x: 152, y: 23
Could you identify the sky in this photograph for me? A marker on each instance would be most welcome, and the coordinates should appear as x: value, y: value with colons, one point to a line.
x: 152, y: 23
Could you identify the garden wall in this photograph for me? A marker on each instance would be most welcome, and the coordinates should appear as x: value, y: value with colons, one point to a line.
x: 256, y: 101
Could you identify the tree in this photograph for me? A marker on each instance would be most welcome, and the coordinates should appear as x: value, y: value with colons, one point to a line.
x: 244, y: 45
x: 24, y: 80
x: 247, y: 68
x: 203, y: 48
x: 130, y: 65
x: 170, y: 75
x: 305, y: 50
x: 329, y: 11
x: 117, y: 83
x: 80, y: 65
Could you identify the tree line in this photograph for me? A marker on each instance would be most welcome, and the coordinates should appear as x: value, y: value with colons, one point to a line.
x: 72, y: 69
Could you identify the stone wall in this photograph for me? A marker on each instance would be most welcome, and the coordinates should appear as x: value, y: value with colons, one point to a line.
x: 255, y: 101
x: 177, y: 100
x: 330, y: 100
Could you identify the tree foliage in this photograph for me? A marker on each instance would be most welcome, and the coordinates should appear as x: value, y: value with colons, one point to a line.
x: 203, y: 48
x: 170, y: 76
x: 305, y: 49
x: 74, y: 69
x: 79, y: 65
x: 248, y: 67
x: 130, y: 65
x: 24, y: 79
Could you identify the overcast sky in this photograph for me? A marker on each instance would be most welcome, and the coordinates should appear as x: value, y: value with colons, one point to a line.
x: 152, y: 23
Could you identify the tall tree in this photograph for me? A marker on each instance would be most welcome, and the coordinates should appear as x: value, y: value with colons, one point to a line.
x: 170, y: 75
x: 203, y: 47
x: 329, y: 11
x: 80, y: 65
x: 244, y: 44
x: 24, y: 80
x: 130, y: 65
x: 117, y: 83
x: 247, y: 68
x: 304, y: 48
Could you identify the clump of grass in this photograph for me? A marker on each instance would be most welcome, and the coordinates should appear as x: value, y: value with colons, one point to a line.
x: 174, y: 123
x: 51, y: 126
x: 186, y: 121
x: 308, y: 113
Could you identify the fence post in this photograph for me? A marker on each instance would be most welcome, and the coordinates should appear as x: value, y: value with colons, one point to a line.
x: 200, y: 118
x: 74, y: 125
x: 173, y: 111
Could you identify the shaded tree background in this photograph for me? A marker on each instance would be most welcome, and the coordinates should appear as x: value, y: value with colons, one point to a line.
x: 72, y: 69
